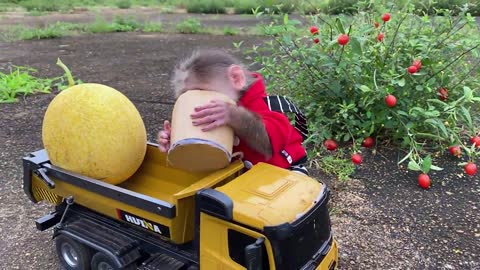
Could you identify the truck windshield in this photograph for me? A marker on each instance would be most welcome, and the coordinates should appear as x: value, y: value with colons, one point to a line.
x: 302, y: 247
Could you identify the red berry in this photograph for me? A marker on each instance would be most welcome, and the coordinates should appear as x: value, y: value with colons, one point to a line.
x: 380, y: 37
x: 470, y: 168
x: 475, y: 141
x: 386, y: 17
x: 424, y: 181
x: 343, y: 39
x: 376, y: 24
x: 417, y: 63
x: 391, y: 100
x: 368, y: 142
x: 330, y: 144
x: 412, y: 69
x: 455, y: 150
x: 442, y: 94
x: 356, y: 158
x: 316, y: 40
x: 314, y: 30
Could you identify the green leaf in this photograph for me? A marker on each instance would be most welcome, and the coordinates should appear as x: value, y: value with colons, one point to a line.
x: 466, y: 115
x: 427, y: 164
x: 356, y: 47
x: 340, y: 25
x: 285, y: 18
x: 412, y: 165
x: 435, y: 168
x: 365, y: 88
x: 401, y: 82
x: 405, y: 158
x: 402, y: 113
x: 467, y: 92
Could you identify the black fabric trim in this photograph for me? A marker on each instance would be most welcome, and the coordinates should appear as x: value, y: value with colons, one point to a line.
x: 282, y: 104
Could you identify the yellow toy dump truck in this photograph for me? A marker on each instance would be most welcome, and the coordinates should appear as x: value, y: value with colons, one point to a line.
x: 164, y: 218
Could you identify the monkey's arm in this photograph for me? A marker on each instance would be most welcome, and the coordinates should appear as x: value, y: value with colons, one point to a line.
x: 250, y: 128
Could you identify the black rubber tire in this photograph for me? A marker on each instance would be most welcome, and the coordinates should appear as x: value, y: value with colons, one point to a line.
x: 101, y: 258
x: 72, y: 254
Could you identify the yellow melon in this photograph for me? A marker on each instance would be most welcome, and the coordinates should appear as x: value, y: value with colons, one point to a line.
x: 94, y: 130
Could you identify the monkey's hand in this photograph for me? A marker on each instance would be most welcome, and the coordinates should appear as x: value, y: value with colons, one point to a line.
x: 164, y: 137
x: 214, y: 114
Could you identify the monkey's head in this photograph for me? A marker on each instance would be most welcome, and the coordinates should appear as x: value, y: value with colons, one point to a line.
x: 213, y: 70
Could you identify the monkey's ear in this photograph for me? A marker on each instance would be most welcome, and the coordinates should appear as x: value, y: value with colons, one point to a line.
x: 237, y: 77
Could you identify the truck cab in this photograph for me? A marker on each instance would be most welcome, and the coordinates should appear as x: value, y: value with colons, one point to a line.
x: 264, y: 217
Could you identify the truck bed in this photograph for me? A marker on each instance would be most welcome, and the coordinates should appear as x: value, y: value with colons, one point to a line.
x: 155, y: 195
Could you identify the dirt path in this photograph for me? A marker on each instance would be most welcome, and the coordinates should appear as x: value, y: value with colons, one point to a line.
x: 382, y: 219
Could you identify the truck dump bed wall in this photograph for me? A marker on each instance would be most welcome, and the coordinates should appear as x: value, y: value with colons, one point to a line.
x: 158, y: 198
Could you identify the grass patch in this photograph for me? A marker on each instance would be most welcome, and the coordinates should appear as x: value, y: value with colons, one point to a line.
x: 124, y: 4
x: 55, y: 30
x: 245, y: 6
x: 230, y: 31
x: 46, y: 5
x: 118, y: 24
x: 336, y: 165
x: 189, y: 26
x: 20, y: 81
x: 205, y: 6
x: 152, y: 27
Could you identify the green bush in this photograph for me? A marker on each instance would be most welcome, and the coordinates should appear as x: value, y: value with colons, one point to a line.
x: 189, y: 26
x: 229, y: 31
x: 46, y: 5
x: 205, y: 6
x: 343, y: 88
x: 279, y: 6
x: 313, y: 6
x: 433, y: 7
x: 245, y: 6
x: 124, y: 4
x: 152, y: 27
x: 341, y: 7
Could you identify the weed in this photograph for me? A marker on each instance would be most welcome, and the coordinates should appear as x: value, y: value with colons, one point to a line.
x: 336, y: 165
x: 230, y: 31
x: 50, y: 31
x: 21, y: 81
x: 124, y: 4
x: 189, y: 26
x: 152, y: 27
x: 119, y: 24
x: 46, y: 5
x: 205, y: 6
x: 245, y: 6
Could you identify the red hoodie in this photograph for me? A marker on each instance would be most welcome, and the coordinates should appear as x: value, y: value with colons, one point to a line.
x: 283, y: 136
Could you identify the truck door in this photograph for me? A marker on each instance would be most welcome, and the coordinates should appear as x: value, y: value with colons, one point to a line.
x: 222, y: 245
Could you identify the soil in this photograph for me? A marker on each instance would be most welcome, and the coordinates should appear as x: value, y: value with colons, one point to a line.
x: 381, y: 218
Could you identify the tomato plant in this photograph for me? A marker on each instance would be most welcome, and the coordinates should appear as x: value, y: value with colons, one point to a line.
x: 417, y: 88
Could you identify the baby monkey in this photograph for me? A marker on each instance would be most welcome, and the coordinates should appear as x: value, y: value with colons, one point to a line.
x: 264, y: 135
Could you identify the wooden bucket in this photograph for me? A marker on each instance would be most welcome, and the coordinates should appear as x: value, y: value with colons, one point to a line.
x: 192, y: 149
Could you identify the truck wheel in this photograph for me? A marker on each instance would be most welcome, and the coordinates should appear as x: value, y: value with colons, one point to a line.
x: 72, y: 255
x: 100, y: 261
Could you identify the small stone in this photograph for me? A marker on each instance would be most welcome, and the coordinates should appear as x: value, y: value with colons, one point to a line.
x: 448, y: 266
